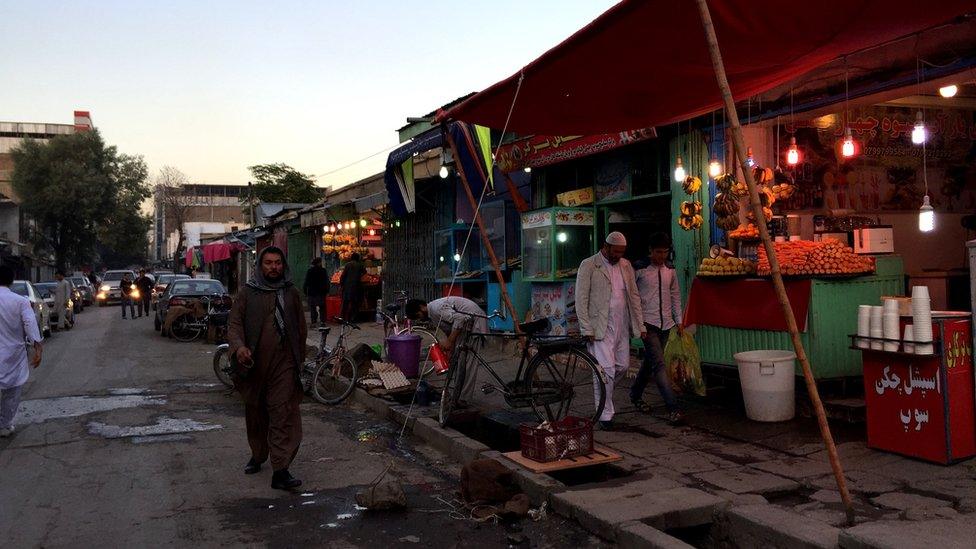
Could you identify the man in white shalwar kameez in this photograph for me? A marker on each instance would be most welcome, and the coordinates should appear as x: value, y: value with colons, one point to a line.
x: 62, y: 292
x: 18, y: 329
x: 609, y: 310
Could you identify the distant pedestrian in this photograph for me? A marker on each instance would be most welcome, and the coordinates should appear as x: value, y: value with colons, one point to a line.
x: 267, y: 335
x: 661, y: 303
x: 93, y: 278
x: 17, y: 326
x: 129, y: 293
x: 316, y: 288
x: 609, y: 310
x: 351, y: 281
x: 145, y: 286
x: 62, y: 293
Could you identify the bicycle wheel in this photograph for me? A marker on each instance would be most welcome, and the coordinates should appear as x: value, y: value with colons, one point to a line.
x: 453, y: 382
x: 334, y: 380
x: 184, y: 331
x: 565, y: 381
x: 221, y: 365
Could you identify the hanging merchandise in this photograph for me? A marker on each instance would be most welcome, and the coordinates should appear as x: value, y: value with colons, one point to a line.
x: 690, y: 217
x: 691, y: 185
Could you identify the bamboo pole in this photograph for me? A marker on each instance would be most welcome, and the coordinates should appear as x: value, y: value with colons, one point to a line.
x: 784, y: 300
x: 484, y: 234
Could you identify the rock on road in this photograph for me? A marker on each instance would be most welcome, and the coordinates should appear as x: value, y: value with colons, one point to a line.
x: 126, y: 439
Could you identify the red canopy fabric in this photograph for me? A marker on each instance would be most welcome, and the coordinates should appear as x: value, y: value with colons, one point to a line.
x: 748, y: 304
x: 645, y: 62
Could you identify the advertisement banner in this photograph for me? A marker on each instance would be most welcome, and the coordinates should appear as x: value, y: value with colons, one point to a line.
x: 542, y: 150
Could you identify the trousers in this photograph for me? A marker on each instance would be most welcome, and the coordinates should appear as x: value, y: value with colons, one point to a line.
x: 653, y: 366
x: 9, y: 401
x: 274, y: 423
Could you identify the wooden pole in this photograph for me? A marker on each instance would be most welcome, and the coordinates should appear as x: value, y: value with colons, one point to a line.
x: 484, y: 235
x: 521, y: 206
x: 784, y: 300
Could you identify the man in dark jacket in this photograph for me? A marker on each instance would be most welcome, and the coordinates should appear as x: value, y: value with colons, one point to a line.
x: 352, y: 288
x: 145, y: 285
x: 128, y: 294
x: 267, y: 344
x: 316, y: 288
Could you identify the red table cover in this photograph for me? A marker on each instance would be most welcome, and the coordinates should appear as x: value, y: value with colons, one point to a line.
x: 748, y: 304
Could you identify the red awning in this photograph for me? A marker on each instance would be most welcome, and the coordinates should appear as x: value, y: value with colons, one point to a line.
x: 645, y: 62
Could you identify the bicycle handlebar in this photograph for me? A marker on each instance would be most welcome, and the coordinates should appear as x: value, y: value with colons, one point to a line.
x: 495, y: 314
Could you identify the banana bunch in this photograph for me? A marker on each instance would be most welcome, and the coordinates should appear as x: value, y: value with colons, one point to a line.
x: 724, y: 183
x: 691, y: 184
x: 782, y: 185
x: 690, y: 217
x: 726, y: 211
x: 740, y: 189
x: 763, y: 176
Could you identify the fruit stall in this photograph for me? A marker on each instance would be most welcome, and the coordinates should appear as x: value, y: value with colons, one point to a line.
x: 732, y: 301
x: 340, y: 246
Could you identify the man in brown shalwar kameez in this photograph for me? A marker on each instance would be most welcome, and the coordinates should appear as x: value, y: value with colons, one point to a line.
x: 267, y: 342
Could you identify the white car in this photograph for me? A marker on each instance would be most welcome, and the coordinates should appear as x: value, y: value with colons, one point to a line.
x: 46, y: 291
x: 108, y: 290
x: 41, y: 311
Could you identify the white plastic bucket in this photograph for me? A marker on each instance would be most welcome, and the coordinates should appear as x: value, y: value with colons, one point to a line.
x: 768, y: 381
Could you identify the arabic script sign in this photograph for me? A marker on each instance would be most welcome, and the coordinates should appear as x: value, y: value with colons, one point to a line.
x: 542, y: 150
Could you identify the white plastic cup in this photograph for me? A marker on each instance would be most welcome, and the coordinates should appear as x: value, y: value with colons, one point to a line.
x: 890, y: 306
x: 909, y: 336
x: 920, y: 292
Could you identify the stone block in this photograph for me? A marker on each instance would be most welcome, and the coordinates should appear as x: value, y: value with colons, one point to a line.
x: 772, y: 526
x: 401, y: 414
x: 466, y: 449
x: 692, y: 462
x: 376, y: 405
x: 565, y: 502
x: 674, y: 508
x: 741, y: 499
x: 432, y: 433
x: 637, y: 535
x: 955, y: 489
x: 861, y: 482
x: 903, y: 502
x: 795, y: 468
x: 934, y: 513
x: 908, y: 534
x: 826, y: 496
x: 743, y: 480
x: 646, y: 446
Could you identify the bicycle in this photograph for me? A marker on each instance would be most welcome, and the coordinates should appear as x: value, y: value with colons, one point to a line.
x: 331, y: 375
x: 394, y: 325
x: 550, y: 370
x: 187, y: 328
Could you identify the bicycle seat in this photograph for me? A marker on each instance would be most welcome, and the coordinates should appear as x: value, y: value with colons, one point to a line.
x: 535, y: 327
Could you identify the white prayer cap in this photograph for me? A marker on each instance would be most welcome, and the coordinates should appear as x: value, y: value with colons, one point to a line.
x: 616, y: 238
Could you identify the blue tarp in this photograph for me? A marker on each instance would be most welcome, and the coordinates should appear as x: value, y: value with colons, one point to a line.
x: 400, y: 185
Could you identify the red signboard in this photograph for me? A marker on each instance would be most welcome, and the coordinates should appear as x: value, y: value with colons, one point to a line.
x: 542, y: 150
x: 923, y: 406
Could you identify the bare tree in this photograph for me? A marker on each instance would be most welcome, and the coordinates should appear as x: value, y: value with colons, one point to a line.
x: 175, y: 200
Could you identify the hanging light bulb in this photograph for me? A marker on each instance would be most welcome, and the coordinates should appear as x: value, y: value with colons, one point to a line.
x: 926, y: 216
x: 714, y: 167
x: 679, y: 171
x: 372, y: 232
x: 847, y: 148
x: 750, y: 161
x: 444, y: 172
x: 949, y: 91
x: 919, y: 134
x: 398, y: 223
x: 457, y: 257
x: 362, y: 223
x: 528, y: 169
x: 793, y: 154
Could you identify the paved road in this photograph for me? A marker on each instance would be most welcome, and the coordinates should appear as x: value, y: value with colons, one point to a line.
x: 126, y: 440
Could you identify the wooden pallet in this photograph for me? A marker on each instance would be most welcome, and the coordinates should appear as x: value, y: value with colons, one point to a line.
x: 600, y: 455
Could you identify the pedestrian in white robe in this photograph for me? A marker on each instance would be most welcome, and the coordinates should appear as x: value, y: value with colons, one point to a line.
x: 18, y: 331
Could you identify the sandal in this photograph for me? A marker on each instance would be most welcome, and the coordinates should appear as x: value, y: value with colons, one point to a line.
x: 642, y: 406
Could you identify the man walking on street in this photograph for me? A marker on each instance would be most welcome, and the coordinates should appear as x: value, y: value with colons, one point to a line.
x: 316, y: 288
x: 267, y: 334
x: 17, y: 325
x: 661, y: 303
x: 62, y: 292
x: 126, y: 290
x: 352, y: 287
x: 609, y: 310
x: 145, y: 285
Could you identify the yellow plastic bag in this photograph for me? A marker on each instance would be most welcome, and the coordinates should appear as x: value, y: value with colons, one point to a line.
x: 684, y: 364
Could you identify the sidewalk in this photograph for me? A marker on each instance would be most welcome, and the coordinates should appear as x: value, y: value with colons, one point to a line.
x: 753, y: 483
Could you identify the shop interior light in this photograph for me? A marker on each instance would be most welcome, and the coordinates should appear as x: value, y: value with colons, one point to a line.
x: 397, y: 222
x: 919, y: 134
x: 562, y: 236
x: 750, y: 161
x: 793, y: 154
x: 847, y: 148
x: 444, y: 172
x: 714, y: 167
x: 457, y: 256
x: 362, y: 223
x: 528, y: 169
x: 926, y: 216
x: 372, y: 232
x: 679, y: 171
x: 949, y: 91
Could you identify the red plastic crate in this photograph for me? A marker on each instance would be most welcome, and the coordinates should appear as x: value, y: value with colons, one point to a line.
x: 569, y: 437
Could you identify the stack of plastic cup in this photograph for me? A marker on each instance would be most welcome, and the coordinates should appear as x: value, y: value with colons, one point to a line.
x: 877, y: 326
x: 909, y: 336
x: 922, y: 319
x: 891, y: 324
x: 863, y: 325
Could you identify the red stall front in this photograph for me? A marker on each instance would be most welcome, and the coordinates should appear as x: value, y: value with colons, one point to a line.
x: 923, y: 405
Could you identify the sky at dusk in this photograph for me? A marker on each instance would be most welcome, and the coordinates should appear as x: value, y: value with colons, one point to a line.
x: 213, y: 87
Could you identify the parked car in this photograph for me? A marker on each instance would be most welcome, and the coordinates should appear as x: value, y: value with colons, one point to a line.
x: 109, y: 291
x: 41, y: 311
x: 77, y: 297
x: 181, y: 291
x: 46, y: 291
x: 161, y: 283
x: 85, y: 288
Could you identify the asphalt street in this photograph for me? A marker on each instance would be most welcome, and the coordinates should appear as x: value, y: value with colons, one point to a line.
x: 125, y: 438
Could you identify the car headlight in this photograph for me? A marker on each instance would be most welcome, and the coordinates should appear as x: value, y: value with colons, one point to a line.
x: 105, y: 287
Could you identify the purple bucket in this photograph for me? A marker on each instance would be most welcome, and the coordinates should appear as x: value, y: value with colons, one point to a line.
x: 404, y: 351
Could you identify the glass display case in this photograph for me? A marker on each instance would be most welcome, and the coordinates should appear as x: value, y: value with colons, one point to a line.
x: 448, y: 258
x: 555, y: 241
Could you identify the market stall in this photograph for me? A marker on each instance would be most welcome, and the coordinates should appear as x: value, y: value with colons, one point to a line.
x: 340, y: 241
